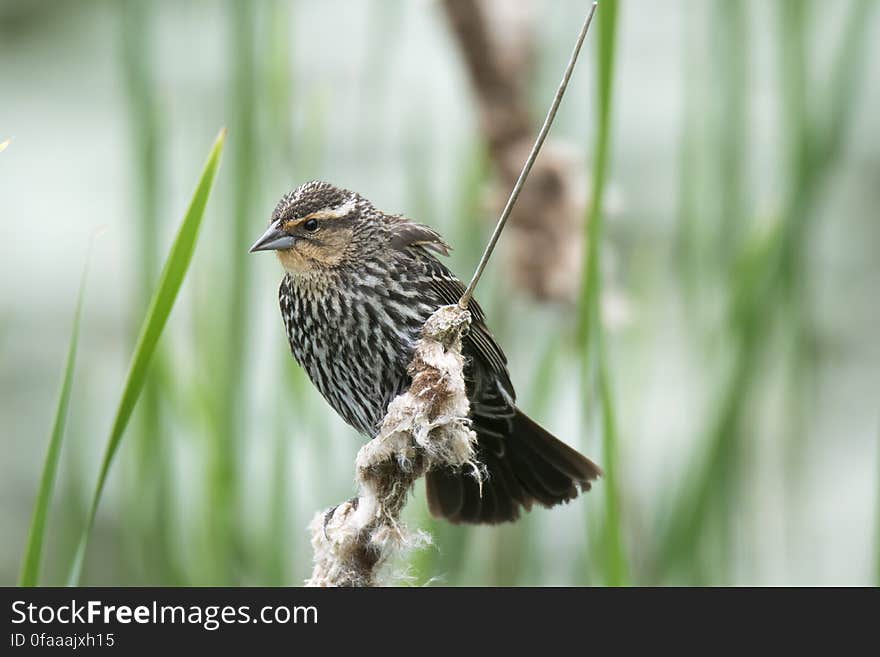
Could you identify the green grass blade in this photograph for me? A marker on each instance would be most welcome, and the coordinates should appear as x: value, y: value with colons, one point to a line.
x: 30, y: 568
x: 616, y: 566
x: 589, y: 328
x: 161, y: 304
x: 607, y: 17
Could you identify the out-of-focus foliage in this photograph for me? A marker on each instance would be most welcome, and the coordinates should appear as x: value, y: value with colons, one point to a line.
x: 723, y: 363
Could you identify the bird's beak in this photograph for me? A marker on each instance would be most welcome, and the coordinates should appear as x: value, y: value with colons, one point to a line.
x: 273, y: 240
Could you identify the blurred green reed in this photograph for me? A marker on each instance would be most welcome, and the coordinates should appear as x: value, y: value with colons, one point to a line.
x: 280, y: 84
x: 729, y: 23
x: 281, y: 138
x: 383, y: 17
x: 280, y: 518
x: 173, y: 273
x: 766, y: 269
x: 713, y: 216
x: 149, y: 489
x: 590, y: 340
x: 690, y: 126
x: 723, y: 245
x: 30, y: 568
x: 230, y: 312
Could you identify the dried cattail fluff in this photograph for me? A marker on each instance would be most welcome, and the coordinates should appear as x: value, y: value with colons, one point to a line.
x: 496, y: 40
x: 426, y: 427
x: 546, y: 242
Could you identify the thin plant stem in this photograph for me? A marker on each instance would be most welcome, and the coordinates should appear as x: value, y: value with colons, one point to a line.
x: 530, y: 160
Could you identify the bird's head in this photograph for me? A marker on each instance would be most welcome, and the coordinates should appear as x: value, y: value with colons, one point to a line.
x: 316, y: 227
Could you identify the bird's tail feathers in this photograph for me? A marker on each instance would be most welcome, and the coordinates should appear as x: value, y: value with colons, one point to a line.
x: 531, y: 466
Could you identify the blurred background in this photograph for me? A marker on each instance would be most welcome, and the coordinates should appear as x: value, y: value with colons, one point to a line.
x: 722, y: 361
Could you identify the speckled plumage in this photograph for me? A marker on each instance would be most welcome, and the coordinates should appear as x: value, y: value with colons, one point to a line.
x: 353, y: 333
x: 359, y: 286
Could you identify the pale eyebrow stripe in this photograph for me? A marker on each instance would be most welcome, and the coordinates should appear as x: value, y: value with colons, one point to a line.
x: 336, y: 213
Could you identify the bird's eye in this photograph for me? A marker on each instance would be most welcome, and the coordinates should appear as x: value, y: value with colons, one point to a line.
x: 311, y: 225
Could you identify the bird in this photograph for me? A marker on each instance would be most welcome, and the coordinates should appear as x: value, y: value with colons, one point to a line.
x: 358, y: 285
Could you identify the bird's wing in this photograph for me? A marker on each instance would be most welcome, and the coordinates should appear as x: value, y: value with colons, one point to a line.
x: 408, y: 233
x: 488, y: 361
x: 523, y: 462
x: 493, y: 399
x: 456, y: 494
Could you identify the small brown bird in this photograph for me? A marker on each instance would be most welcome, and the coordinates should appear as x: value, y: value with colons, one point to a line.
x: 359, y: 285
